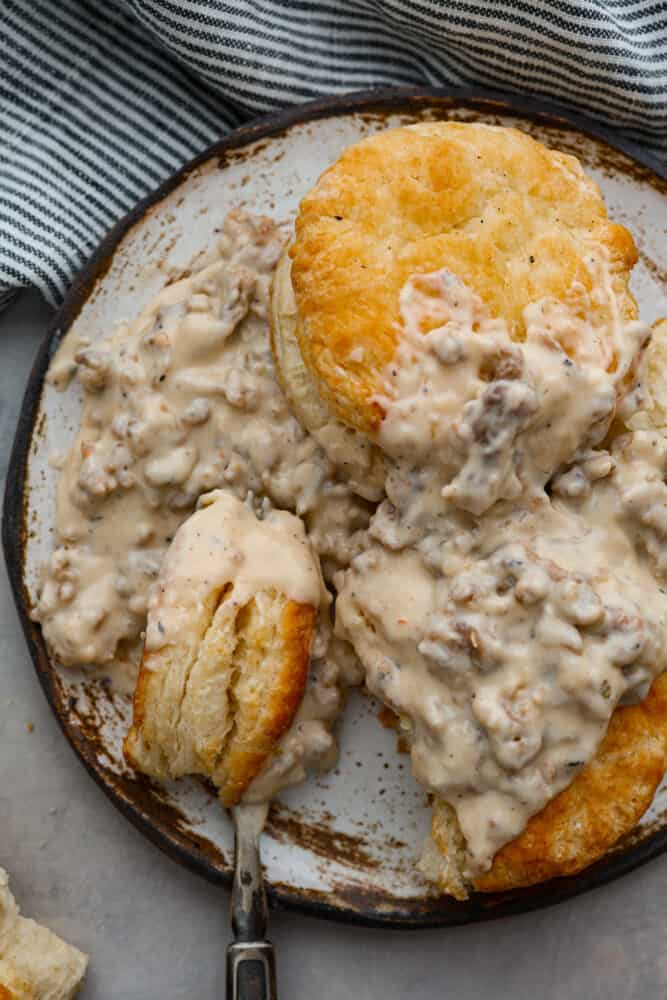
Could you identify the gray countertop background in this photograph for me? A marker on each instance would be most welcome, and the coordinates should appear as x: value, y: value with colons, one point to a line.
x: 155, y: 930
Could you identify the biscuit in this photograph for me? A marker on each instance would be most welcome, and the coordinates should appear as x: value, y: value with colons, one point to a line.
x: 12, y: 985
x: 294, y: 378
x: 604, y: 802
x: 223, y: 680
x: 515, y: 221
x: 35, y: 964
x: 655, y: 413
x: 363, y: 462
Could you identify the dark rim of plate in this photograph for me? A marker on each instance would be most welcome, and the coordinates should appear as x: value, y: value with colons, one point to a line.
x: 362, y: 907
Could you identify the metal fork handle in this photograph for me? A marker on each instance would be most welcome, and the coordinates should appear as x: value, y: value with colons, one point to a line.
x: 251, y: 971
x: 251, y: 966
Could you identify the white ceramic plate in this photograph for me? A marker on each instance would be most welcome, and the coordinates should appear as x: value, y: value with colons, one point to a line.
x: 343, y: 845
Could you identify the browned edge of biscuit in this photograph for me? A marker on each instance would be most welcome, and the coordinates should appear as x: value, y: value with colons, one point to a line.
x: 605, y: 801
x: 242, y: 763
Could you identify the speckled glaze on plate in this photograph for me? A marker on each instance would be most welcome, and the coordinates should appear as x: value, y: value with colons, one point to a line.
x: 344, y: 845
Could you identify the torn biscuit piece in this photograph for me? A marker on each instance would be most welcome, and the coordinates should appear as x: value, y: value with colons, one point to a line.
x: 35, y: 964
x: 230, y: 625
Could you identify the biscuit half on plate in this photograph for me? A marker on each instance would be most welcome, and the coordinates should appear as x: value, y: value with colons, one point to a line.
x: 230, y: 626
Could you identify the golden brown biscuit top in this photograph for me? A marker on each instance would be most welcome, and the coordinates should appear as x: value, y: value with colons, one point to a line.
x: 515, y: 221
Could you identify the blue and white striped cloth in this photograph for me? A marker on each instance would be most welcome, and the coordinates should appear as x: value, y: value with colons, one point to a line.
x: 101, y: 99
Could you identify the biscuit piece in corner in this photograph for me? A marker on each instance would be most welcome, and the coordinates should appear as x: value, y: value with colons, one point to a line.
x: 230, y: 625
x: 35, y: 964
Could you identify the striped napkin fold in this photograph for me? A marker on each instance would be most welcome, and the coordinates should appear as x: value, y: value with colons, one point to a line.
x: 100, y: 100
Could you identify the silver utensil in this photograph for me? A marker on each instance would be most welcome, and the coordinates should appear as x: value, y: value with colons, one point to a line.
x: 251, y: 969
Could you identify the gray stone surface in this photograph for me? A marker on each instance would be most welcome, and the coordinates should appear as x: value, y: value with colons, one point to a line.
x: 157, y: 931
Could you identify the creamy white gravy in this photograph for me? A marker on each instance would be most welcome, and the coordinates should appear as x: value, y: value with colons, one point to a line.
x: 226, y: 544
x: 180, y: 402
x: 505, y: 624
